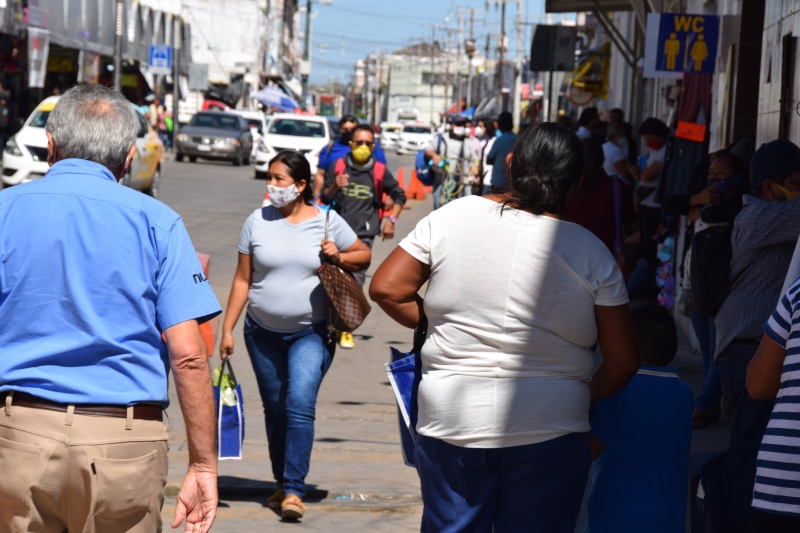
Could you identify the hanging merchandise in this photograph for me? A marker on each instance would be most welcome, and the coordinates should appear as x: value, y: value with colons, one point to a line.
x: 665, y: 277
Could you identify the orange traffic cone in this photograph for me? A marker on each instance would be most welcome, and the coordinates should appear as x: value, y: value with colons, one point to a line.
x: 415, y: 189
x: 401, y: 178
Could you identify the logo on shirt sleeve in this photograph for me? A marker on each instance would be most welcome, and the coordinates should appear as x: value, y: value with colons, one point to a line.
x: 199, y: 278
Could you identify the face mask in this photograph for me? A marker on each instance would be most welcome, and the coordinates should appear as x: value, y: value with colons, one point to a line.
x: 790, y: 195
x: 725, y: 186
x: 654, y: 145
x: 361, y: 154
x: 345, y: 136
x: 497, y: 133
x: 478, y: 132
x: 282, y: 196
x: 458, y: 131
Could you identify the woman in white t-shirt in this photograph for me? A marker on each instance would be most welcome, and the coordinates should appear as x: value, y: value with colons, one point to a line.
x: 508, y: 369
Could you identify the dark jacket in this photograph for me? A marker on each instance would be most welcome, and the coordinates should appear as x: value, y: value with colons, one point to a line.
x: 357, y: 203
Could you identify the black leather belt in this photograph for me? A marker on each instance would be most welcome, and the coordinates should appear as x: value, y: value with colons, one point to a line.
x: 140, y: 411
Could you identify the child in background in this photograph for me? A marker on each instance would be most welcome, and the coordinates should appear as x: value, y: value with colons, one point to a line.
x: 641, y: 438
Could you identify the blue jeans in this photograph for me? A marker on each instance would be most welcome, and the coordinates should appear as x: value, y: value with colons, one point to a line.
x: 706, y: 332
x: 750, y: 417
x: 289, y: 369
x: 437, y: 191
x: 526, y: 489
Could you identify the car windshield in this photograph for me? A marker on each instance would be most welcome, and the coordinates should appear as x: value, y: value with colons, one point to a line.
x: 298, y: 128
x: 416, y: 129
x: 255, y: 123
x: 219, y: 122
x: 40, y: 119
x: 392, y: 128
x: 334, y: 124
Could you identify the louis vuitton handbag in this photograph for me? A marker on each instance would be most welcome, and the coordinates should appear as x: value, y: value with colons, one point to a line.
x: 346, y: 306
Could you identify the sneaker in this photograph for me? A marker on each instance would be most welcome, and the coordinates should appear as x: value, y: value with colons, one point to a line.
x: 292, y: 507
x: 346, y: 340
x: 274, y: 501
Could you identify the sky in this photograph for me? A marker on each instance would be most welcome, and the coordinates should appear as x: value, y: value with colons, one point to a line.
x: 348, y: 30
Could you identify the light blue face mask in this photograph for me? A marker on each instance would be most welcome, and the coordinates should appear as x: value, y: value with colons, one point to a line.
x: 497, y: 133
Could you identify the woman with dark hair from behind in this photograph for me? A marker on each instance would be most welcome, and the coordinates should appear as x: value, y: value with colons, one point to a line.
x: 602, y: 204
x: 508, y: 366
x: 280, y: 250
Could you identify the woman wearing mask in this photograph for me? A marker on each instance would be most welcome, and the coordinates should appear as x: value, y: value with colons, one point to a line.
x: 484, y: 137
x: 719, y: 203
x: 280, y: 250
x: 655, y: 134
x: 508, y: 369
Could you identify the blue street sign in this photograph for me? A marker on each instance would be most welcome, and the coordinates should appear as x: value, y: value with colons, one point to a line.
x: 687, y: 43
x: 160, y: 59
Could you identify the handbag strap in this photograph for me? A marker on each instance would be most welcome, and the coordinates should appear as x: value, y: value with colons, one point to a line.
x: 420, y: 332
x: 226, y: 362
x: 327, y: 222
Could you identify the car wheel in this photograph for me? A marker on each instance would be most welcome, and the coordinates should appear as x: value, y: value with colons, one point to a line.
x: 192, y: 159
x: 237, y: 161
x: 152, y: 190
x: 179, y: 157
x: 261, y: 175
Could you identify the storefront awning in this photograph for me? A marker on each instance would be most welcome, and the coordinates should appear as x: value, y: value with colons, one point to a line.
x: 575, y: 6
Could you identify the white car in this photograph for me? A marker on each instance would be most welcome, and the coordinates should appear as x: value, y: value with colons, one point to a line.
x: 413, y: 138
x: 285, y: 131
x: 25, y: 155
x: 390, y: 131
x: 258, y: 125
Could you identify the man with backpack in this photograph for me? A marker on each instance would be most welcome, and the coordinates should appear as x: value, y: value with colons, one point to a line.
x: 339, y: 148
x: 762, y: 241
x: 354, y: 187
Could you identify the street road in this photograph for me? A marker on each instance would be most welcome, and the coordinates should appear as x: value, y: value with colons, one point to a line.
x: 357, y: 481
x: 356, y: 454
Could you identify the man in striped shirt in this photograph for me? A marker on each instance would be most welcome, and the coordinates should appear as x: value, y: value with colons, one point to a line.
x: 774, y: 372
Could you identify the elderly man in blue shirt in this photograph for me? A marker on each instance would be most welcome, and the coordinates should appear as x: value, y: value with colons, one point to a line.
x: 91, y: 275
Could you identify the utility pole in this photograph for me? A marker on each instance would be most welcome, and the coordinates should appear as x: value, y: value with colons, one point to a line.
x: 376, y: 104
x: 306, y: 67
x: 502, y: 46
x: 118, y: 47
x: 176, y: 76
x: 433, y: 72
x: 447, y: 77
x: 518, y: 66
x: 461, y: 12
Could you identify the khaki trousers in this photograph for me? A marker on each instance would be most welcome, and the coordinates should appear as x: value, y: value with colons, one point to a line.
x: 62, y: 472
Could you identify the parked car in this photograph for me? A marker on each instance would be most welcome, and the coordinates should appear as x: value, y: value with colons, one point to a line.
x: 390, y: 131
x: 286, y: 131
x: 215, y: 135
x: 258, y: 125
x: 25, y: 155
x: 413, y: 138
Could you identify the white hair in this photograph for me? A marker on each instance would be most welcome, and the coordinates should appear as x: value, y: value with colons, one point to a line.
x: 94, y: 123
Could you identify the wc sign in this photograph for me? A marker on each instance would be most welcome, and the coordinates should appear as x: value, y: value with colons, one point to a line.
x: 680, y: 43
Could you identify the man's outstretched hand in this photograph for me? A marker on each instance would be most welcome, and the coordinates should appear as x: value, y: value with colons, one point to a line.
x: 197, y: 501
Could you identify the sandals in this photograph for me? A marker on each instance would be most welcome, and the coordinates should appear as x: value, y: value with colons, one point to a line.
x: 274, y: 501
x: 292, y: 507
x: 701, y: 419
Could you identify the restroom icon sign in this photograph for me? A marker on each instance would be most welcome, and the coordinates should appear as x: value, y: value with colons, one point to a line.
x: 687, y: 43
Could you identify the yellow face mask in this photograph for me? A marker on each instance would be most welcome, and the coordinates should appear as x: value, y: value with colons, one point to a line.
x: 790, y: 195
x: 361, y: 154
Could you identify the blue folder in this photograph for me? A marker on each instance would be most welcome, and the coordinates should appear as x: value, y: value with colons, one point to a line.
x: 405, y: 374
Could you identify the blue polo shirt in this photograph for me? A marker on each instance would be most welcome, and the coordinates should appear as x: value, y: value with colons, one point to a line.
x: 339, y: 150
x: 640, y: 480
x: 91, y: 273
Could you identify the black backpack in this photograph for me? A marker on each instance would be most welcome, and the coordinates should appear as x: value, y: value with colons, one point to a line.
x: 710, y: 268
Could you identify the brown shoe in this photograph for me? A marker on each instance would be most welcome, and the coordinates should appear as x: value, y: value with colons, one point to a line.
x: 274, y: 501
x: 701, y: 419
x: 292, y: 507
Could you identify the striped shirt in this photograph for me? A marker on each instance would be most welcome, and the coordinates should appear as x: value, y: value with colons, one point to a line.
x: 777, y: 487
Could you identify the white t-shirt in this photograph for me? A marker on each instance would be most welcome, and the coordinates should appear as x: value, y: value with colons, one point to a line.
x: 511, y: 322
x: 656, y: 155
x: 487, y: 168
x: 613, y: 154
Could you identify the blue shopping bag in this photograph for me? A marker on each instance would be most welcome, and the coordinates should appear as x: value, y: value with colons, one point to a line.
x: 405, y: 374
x: 230, y: 412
